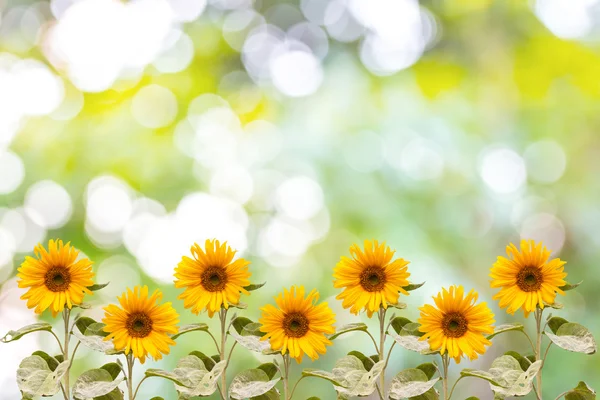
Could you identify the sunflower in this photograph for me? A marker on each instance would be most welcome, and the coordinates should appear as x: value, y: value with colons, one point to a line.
x: 457, y: 325
x: 371, y: 279
x: 528, y: 278
x: 212, y: 279
x: 55, y: 278
x: 297, y: 325
x: 141, y: 325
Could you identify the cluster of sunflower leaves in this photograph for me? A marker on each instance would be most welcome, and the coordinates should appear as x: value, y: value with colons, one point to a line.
x: 354, y: 375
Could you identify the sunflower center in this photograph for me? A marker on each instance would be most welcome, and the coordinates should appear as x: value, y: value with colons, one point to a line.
x: 214, y: 279
x: 295, y: 325
x: 372, y: 279
x: 454, y: 325
x: 530, y: 279
x: 57, y: 279
x: 139, y: 325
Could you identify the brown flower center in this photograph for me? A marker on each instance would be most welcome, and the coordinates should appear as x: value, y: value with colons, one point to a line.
x: 57, y: 279
x: 214, y: 279
x: 373, y: 279
x: 139, y: 325
x: 530, y: 279
x: 454, y: 325
x: 295, y: 325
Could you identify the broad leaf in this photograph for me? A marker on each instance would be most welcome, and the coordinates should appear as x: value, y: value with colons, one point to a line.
x: 411, y: 342
x: 239, y: 323
x: 556, y: 305
x: 328, y: 376
x: 98, y: 286
x: 254, y: 286
x: 355, y: 379
x: 159, y: 373
x: 410, y: 383
x: 581, y: 392
x: 252, y: 329
x: 96, y: 329
x: 269, y: 368
x: 506, y: 328
x: 428, y: 368
x: 398, y: 323
x: 96, y: 343
x: 251, y: 383
x: 35, y: 378
x: 573, y: 337
x: 195, y: 379
x: 398, y: 305
x: 253, y: 343
x: 556, y: 322
x: 95, y: 383
x: 82, y: 323
x: 114, y: 368
x: 190, y: 328
x: 506, y: 377
x: 51, y: 361
x: 241, y: 306
x: 18, y: 334
x: 347, y: 328
x: 413, y: 286
x: 208, y: 362
x: 368, y: 362
x: 568, y: 286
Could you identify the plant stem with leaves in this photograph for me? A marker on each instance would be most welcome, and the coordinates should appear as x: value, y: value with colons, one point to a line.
x: 538, y: 350
x: 381, y: 315
x: 65, y: 348
x: 222, y: 354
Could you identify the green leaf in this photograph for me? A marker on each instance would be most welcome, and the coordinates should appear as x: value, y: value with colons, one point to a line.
x: 196, y: 379
x: 96, y: 329
x: 368, y: 363
x: 523, y: 361
x: 581, y: 392
x: 164, y: 374
x: 96, y: 343
x: 347, y: 328
x: 428, y: 368
x: 355, y: 379
x: 410, y: 383
x: 157, y: 398
x: 328, y: 376
x: 506, y: 328
x: 241, y: 306
x: 50, y: 361
x: 555, y: 322
x: 252, y: 329
x: 113, y: 368
x: 506, y: 377
x: 239, y: 323
x: 573, y: 337
x: 82, y: 323
x: 95, y: 383
x: 59, y: 357
x: 410, y: 338
x: 251, y: 383
x: 208, y: 362
x: 398, y: 323
x: 269, y: 368
x: 314, y: 398
x: 254, y: 286
x: 568, y: 286
x: 98, y: 286
x: 413, y: 286
x: 35, y: 378
x: 556, y: 305
x: 472, y: 398
x: 190, y: 328
x: 216, y: 358
x: 18, y: 334
x: 375, y: 357
x: 83, y: 306
x: 253, y: 343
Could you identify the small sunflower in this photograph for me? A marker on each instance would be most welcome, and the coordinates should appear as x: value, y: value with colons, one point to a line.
x: 457, y: 325
x: 528, y: 278
x: 297, y: 325
x: 371, y: 279
x: 212, y: 279
x: 141, y: 325
x: 54, y: 278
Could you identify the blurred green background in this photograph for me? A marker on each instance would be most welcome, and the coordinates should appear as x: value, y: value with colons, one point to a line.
x: 292, y: 130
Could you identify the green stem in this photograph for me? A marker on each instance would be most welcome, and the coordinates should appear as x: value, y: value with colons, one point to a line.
x: 445, y: 365
x: 130, y: 361
x: 138, y: 387
x: 381, y: 315
x: 286, y: 376
x: 453, y: 386
x: 538, y: 350
x: 373, y: 340
x: 66, y: 315
x: 223, y: 318
x: 389, y: 354
x: 295, y: 386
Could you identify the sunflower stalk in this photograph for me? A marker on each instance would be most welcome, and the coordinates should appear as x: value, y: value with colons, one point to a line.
x: 286, y: 376
x: 130, y: 361
x: 445, y: 367
x: 538, y: 350
x: 67, y: 388
x: 381, y: 315
x: 222, y: 353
